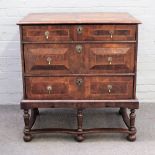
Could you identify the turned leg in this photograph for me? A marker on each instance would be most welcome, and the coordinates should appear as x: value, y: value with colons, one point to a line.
x: 32, y: 119
x: 36, y: 111
x: 27, y: 135
x: 132, y: 129
x: 120, y: 111
x: 79, y: 137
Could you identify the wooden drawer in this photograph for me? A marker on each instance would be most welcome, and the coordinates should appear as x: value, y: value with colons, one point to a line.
x: 79, y: 33
x: 47, y: 33
x: 99, y: 88
x: 54, y: 58
x: 79, y: 58
x: 110, y: 58
x: 109, y: 88
x: 106, y: 32
x: 54, y: 88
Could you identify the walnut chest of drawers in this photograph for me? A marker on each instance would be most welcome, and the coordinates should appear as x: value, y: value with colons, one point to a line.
x: 79, y: 60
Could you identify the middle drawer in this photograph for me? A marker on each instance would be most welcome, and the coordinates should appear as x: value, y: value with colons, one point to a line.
x: 42, y: 59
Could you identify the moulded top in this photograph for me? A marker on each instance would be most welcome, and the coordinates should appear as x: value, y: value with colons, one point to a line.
x: 79, y: 18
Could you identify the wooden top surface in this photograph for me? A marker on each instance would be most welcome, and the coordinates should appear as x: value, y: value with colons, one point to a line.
x: 79, y: 18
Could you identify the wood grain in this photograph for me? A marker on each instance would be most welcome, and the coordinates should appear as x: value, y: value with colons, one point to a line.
x: 79, y: 60
x: 90, y: 88
x: 78, y: 18
x: 64, y: 59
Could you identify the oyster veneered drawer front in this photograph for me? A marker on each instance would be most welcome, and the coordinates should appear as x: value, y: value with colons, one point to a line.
x: 109, y: 88
x: 54, y: 88
x: 53, y: 58
x: 46, y: 33
x: 99, y: 88
x: 111, y: 58
x: 106, y: 32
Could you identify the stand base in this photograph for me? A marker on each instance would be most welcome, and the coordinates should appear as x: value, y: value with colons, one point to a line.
x: 79, y: 133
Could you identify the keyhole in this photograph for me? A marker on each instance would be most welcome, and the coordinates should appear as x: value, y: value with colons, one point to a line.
x: 79, y: 82
x: 79, y: 29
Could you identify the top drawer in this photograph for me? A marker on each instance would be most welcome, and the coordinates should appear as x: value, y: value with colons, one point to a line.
x: 58, y: 33
x: 45, y: 33
x: 106, y: 33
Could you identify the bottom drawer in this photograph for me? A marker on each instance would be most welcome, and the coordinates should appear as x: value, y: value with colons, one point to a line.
x: 109, y: 88
x: 99, y: 88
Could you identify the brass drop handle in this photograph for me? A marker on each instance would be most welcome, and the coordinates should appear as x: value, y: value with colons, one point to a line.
x: 109, y: 88
x: 79, y: 81
x: 110, y: 60
x: 47, y: 34
x: 78, y: 48
x: 49, y: 89
x: 111, y: 34
x: 79, y: 29
x: 49, y: 59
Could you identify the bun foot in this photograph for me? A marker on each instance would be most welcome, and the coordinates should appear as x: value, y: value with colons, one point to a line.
x: 131, y: 138
x: 27, y: 138
x: 79, y: 138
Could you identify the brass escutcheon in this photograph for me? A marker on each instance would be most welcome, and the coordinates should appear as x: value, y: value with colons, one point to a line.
x: 109, y: 88
x: 49, y: 59
x: 79, y: 81
x: 49, y: 89
x: 78, y: 48
x: 47, y: 34
x: 111, y: 33
x: 79, y: 29
x: 110, y: 60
